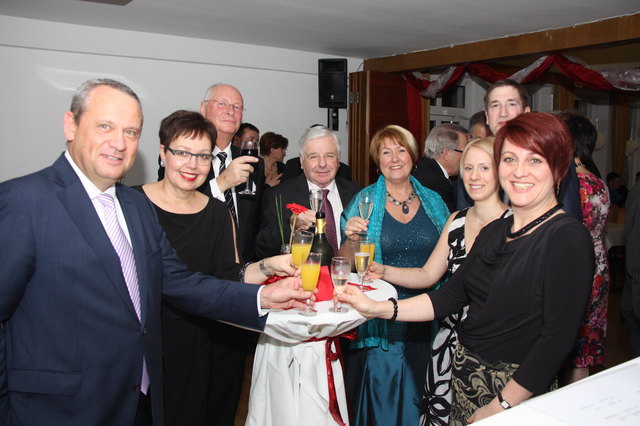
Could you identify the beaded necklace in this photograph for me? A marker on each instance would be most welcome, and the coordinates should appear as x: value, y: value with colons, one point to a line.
x: 529, y: 226
x: 405, y: 207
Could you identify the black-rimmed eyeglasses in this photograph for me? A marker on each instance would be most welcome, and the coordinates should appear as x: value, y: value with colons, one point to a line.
x: 184, y: 156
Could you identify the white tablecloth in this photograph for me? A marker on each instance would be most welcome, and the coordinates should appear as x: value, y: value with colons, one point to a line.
x: 289, y: 381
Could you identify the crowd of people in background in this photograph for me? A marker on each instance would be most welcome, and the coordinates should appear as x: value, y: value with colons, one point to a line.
x: 496, y: 230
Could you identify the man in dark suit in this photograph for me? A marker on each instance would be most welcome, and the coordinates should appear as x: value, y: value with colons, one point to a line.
x: 441, y: 161
x: 223, y: 106
x: 320, y: 153
x: 84, y: 267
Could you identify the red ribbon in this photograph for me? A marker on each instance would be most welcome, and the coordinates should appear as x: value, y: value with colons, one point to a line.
x: 331, y: 356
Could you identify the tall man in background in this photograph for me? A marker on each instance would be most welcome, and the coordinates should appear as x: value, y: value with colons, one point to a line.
x: 223, y: 106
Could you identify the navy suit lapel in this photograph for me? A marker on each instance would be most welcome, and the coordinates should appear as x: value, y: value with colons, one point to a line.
x: 75, y: 200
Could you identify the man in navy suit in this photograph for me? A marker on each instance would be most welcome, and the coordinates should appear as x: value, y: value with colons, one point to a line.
x: 76, y: 347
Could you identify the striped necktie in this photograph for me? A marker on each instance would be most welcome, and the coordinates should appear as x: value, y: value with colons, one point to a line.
x: 330, y: 229
x: 127, y: 263
x: 228, y: 196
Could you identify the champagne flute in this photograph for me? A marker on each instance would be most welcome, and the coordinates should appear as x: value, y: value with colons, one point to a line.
x: 300, y: 246
x: 366, y: 204
x: 362, y: 263
x: 249, y: 147
x: 340, y: 271
x: 315, y: 199
x: 368, y: 246
x: 310, y: 272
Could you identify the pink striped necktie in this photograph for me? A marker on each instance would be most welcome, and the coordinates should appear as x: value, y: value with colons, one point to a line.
x: 330, y: 229
x: 127, y: 263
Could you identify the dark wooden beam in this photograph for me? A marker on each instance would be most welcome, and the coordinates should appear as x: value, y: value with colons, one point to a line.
x: 609, y: 31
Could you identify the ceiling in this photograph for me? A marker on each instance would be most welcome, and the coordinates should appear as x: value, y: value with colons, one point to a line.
x: 351, y: 28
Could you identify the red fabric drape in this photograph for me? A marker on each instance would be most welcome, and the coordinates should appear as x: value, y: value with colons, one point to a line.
x: 573, y: 70
x: 414, y: 111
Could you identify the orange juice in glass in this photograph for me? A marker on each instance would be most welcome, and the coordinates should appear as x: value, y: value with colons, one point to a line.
x: 300, y: 247
x: 310, y: 271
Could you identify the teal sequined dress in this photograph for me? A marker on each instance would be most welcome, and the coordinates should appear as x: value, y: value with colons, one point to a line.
x: 386, y: 383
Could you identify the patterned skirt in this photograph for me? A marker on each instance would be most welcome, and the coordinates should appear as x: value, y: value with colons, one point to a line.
x: 476, y: 382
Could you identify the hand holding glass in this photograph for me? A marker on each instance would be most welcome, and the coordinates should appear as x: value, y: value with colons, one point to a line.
x: 310, y: 272
x: 340, y: 271
x: 249, y: 147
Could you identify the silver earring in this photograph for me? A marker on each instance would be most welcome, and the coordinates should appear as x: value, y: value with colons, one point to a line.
x: 161, y: 163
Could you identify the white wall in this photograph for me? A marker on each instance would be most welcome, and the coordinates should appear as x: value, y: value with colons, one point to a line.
x: 44, y: 62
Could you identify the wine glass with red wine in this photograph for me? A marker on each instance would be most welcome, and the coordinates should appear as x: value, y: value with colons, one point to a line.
x: 249, y: 147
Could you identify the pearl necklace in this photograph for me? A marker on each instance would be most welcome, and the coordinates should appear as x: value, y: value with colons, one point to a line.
x: 405, y: 207
x: 529, y: 226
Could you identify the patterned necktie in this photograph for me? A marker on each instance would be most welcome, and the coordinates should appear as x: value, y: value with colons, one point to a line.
x: 127, y: 263
x: 330, y: 229
x: 228, y: 196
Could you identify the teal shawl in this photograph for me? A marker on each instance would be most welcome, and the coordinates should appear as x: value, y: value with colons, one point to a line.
x: 374, y: 332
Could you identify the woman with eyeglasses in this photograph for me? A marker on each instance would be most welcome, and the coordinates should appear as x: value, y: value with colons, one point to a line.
x: 203, y: 359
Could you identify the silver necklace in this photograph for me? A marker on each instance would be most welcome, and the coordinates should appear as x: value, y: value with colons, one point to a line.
x: 405, y: 207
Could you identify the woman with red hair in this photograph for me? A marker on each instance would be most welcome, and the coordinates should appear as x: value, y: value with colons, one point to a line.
x: 526, y: 281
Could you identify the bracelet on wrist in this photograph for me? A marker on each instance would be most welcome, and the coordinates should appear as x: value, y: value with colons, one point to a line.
x: 265, y: 271
x: 395, y: 309
x: 502, y: 401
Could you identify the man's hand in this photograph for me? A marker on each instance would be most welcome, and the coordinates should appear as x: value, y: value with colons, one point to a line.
x: 236, y: 173
x: 286, y: 293
x: 305, y: 220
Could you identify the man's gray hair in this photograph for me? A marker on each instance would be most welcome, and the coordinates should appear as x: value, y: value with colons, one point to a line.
x: 213, y: 87
x: 444, y: 136
x: 317, y: 131
x: 79, y: 100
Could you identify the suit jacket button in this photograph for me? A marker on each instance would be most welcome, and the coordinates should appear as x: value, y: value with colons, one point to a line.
x: 145, y: 331
x: 136, y: 388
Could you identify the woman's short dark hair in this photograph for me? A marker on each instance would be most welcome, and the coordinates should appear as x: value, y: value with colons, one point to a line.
x: 189, y: 124
x: 271, y: 140
x: 542, y: 133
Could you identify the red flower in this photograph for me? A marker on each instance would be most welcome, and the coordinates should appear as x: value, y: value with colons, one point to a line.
x: 296, y: 208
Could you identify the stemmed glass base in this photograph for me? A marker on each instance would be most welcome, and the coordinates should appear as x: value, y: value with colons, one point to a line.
x: 339, y: 309
x: 308, y: 311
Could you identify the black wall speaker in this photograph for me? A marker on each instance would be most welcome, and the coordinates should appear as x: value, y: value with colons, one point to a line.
x: 332, y: 83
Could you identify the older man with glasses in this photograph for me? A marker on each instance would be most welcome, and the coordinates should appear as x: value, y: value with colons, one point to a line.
x: 441, y: 161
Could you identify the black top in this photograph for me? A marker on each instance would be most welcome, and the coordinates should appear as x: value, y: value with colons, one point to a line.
x: 203, y: 240
x: 526, y: 297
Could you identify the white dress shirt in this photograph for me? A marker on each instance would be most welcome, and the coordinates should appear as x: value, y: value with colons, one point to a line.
x: 336, y: 204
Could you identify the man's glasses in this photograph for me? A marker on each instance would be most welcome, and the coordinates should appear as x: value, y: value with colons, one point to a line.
x: 184, y: 156
x: 225, y: 105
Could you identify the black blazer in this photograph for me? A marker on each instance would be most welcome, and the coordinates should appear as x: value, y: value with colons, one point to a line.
x: 430, y: 175
x: 296, y: 190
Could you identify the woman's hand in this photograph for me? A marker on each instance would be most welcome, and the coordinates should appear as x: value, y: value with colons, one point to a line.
x: 355, y: 225
x: 281, y: 265
x: 485, y: 411
x: 366, y: 306
x: 375, y: 271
